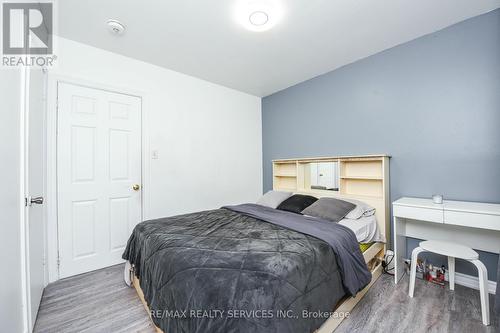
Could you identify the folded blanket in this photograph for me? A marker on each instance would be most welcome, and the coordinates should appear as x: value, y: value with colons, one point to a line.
x: 355, y: 273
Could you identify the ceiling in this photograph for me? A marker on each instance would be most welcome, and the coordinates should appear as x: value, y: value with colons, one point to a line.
x: 201, y: 38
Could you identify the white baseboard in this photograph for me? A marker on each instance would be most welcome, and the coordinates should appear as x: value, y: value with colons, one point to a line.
x: 473, y: 282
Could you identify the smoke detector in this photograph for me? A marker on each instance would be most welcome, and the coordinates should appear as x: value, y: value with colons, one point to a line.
x: 115, y: 27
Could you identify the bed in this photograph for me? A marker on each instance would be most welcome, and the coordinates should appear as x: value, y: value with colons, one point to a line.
x: 248, y: 268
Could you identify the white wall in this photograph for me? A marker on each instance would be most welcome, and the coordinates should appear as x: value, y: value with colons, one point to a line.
x: 11, y: 295
x: 208, y: 137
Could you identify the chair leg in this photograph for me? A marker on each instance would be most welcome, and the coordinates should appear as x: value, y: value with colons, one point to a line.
x: 483, y: 290
x: 413, y: 268
x: 451, y: 272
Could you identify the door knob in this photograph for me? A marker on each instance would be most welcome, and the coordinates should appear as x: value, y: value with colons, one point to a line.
x: 35, y: 200
x: 136, y: 187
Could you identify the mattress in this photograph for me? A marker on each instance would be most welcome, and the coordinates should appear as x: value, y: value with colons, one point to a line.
x: 365, y: 228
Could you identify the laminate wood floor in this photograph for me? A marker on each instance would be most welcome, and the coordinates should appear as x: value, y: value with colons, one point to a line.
x: 388, y: 308
x: 94, y: 302
x: 100, y: 302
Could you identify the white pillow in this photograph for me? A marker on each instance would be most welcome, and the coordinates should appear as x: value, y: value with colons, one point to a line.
x: 273, y: 198
x: 362, y: 210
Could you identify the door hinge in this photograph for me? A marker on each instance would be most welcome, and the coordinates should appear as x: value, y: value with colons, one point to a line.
x: 58, y: 261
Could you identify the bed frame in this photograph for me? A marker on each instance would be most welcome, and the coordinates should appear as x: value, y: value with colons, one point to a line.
x: 364, y: 178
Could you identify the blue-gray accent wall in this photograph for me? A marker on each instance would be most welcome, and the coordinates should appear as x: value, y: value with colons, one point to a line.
x: 433, y: 104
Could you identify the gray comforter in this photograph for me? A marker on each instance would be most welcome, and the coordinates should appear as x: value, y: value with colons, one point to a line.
x: 244, y: 269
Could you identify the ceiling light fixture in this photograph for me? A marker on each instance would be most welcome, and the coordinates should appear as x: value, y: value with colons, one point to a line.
x: 258, y: 15
x: 115, y: 27
x: 258, y: 18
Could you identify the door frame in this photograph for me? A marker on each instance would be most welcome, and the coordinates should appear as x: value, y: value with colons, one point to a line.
x: 52, y: 176
x: 23, y: 176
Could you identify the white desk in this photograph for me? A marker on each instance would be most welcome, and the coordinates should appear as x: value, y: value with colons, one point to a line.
x: 469, y: 223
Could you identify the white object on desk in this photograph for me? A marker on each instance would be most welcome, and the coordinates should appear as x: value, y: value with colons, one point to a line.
x: 452, y: 251
x: 473, y: 224
x: 437, y: 198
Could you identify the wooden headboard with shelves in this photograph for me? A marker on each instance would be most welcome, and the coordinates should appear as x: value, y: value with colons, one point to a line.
x: 364, y: 178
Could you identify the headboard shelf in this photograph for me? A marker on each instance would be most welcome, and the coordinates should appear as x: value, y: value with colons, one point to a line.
x: 331, y: 158
x: 364, y: 178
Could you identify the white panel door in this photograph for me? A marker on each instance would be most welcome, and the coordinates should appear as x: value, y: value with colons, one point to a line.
x: 99, y: 176
x: 35, y: 189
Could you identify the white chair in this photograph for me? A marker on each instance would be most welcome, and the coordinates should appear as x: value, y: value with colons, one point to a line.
x: 452, y: 251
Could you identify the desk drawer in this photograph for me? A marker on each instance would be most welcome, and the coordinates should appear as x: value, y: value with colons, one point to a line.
x: 473, y: 220
x: 417, y: 213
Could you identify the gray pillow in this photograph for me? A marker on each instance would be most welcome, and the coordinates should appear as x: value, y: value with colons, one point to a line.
x: 330, y: 209
x: 273, y: 198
